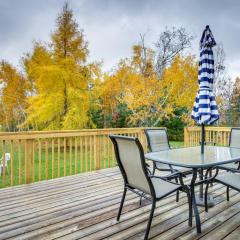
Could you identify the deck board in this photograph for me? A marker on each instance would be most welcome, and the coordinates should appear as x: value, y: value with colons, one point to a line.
x: 85, y: 206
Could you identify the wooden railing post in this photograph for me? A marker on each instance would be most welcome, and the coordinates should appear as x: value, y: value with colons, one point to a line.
x: 186, y: 137
x: 97, y: 152
x: 28, y: 157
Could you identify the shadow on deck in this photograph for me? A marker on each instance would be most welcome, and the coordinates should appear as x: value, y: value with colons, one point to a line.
x: 85, y: 206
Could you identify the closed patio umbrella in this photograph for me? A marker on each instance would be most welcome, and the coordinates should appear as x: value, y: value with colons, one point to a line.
x: 205, y: 111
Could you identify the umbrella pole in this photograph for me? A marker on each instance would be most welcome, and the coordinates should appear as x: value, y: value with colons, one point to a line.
x: 203, y: 139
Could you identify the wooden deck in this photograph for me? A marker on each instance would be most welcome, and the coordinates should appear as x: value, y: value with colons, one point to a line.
x: 84, y: 206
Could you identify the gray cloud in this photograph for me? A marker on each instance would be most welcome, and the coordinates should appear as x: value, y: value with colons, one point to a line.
x: 112, y: 26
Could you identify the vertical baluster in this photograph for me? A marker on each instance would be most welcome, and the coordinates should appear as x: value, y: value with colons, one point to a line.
x: 59, y: 156
x: 86, y: 153
x: 28, y: 160
x: 113, y: 155
x: 53, y: 158
x: 65, y: 157
x: 4, y: 163
x: 75, y: 154
x: 70, y: 155
x: 39, y: 160
x: 81, y: 154
x: 12, y: 162
x: 90, y: 154
x: 46, y: 159
x: 104, y: 151
x: 108, y: 152
x: 19, y: 162
x: 25, y: 164
x: 222, y: 138
x: 97, y: 152
x: 33, y: 160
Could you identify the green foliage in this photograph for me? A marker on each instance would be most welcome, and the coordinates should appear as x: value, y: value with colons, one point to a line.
x: 120, y: 116
x: 13, y: 99
x: 59, y: 79
x: 62, y: 90
x: 175, y: 124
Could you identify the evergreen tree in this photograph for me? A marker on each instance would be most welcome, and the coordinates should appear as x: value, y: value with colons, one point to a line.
x: 59, y: 78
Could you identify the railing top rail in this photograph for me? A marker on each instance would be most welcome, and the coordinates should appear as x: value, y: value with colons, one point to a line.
x: 65, y: 133
x: 207, y: 128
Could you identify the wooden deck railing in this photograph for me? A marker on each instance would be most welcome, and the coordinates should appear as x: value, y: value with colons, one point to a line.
x: 37, y: 156
x: 218, y: 135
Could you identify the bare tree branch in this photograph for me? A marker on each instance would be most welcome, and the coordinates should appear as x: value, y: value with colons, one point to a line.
x: 170, y: 43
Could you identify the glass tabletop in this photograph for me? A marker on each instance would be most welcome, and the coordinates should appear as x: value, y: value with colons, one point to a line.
x: 191, y: 157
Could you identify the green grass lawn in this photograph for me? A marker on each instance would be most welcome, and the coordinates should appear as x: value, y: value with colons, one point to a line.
x: 176, y: 144
x: 48, y: 166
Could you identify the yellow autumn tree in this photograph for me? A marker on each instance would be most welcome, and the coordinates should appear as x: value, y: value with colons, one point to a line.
x: 148, y: 98
x: 13, y: 98
x: 181, y: 80
x: 131, y: 85
x: 60, y: 78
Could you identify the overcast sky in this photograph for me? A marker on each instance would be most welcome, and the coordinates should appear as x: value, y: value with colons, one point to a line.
x: 113, y: 26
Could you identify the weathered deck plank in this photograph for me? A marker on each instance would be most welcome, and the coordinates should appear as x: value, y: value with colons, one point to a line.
x: 85, y: 206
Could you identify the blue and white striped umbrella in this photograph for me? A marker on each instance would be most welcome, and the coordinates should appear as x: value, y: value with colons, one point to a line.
x: 205, y: 109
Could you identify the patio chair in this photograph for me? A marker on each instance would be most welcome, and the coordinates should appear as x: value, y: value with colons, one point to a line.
x: 7, y: 158
x: 234, y: 142
x: 157, y: 140
x: 229, y: 179
x: 131, y: 161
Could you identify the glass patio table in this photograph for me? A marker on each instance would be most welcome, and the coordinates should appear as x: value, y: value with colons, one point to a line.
x: 191, y: 157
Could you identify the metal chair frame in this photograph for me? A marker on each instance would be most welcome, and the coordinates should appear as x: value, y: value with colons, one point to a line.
x: 152, y: 197
x: 228, y: 169
x: 170, y: 168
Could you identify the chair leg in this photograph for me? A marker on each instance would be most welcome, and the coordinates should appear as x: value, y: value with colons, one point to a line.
x: 154, y: 168
x: 150, y: 219
x: 190, y: 209
x: 228, y: 194
x: 121, y: 204
x: 206, y: 197
x: 177, y: 194
x: 210, y: 175
x: 140, y: 201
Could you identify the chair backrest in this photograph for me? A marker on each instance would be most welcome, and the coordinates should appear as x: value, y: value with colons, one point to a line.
x: 157, y: 139
x: 130, y: 157
x: 234, y: 140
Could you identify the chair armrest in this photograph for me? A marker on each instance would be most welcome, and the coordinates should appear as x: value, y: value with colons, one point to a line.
x: 169, y: 177
x: 231, y: 170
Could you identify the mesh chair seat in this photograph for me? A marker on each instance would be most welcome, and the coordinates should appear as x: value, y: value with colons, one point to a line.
x: 162, y: 187
x: 229, y: 179
x: 229, y: 166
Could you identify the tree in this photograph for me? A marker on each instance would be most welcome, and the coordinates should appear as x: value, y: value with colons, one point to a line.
x: 59, y: 78
x: 13, y: 98
x: 234, y: 110
x: 169, y: 44
x: 67, y: 40
x: 143, y: 58
x: 223, y: 85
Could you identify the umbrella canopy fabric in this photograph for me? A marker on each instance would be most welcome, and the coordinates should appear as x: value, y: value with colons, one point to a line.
x: 205, y: 109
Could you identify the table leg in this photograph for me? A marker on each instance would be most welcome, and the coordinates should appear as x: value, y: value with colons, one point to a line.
x: 200, y: 198
x: 193, y: 199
